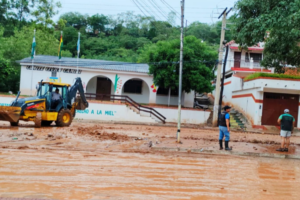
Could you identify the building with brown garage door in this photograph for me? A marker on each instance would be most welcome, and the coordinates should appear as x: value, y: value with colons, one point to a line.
x: 262, y: 100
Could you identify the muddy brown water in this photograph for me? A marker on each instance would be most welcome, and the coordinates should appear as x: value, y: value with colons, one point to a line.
x: 82, y: 175
x: 80, y: 165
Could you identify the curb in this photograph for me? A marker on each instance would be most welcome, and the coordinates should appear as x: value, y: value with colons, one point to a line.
x: 217, y: 152
x: 192, y: 126
x: 195, y: 126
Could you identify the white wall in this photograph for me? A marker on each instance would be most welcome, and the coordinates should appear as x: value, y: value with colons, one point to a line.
x: 247, y: 105
x: 88, y: 74
x: 163, y: 99
x: 112, y: 112
x: 187, y: 116
x: 140, y: 98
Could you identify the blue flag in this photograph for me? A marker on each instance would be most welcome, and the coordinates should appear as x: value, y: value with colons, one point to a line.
x: 78, y: 45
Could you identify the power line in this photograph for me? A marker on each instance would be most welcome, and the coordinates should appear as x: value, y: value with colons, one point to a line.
x: 139, y: 7
x: 93, y: 8
x: 196, y: 8
x: 138, y: 2
x: 150, y: 8
x: 170, y: 7
x: 158, y: 9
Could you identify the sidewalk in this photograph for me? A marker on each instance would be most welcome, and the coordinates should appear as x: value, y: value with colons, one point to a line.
x: 242, y: 144
x: 256, y: 129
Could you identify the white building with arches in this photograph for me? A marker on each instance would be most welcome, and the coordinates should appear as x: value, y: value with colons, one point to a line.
x: 99, y: 77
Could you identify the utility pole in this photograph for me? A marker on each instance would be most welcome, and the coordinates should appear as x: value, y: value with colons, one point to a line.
x: 223, y: 78
x: 180, y: 71
x: 217, y: 108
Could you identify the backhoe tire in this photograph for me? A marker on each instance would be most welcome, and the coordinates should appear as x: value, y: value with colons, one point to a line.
x: 14, y: 123
x: 64, y: 118
x: 46, y: 123
x: 38, y: 120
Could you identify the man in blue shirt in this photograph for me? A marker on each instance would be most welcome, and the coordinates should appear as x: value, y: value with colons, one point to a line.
x: 224, y: 127
x: 287, y: 124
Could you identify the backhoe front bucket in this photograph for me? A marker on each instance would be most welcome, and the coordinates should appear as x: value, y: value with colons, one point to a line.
x: 9, y: 113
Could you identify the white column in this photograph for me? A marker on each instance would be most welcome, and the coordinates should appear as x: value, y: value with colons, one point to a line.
x: 153, y: 92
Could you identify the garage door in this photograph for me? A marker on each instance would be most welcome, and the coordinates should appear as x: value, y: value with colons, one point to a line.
x: 274, y: 105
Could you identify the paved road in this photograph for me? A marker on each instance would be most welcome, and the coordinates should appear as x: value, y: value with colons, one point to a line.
x: 70, y: 174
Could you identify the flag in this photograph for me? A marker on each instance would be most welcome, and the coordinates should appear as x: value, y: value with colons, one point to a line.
x: 60, y: 46
x: 78, y: 46
x: 33, y: 47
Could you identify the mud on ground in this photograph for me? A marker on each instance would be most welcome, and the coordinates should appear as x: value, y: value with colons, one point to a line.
x: 108, y: 161
x: 114, y: 137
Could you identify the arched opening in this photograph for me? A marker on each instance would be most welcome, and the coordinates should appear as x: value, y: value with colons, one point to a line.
x: 137, y: 89
x: 100, y: 85
x: 162, y: 96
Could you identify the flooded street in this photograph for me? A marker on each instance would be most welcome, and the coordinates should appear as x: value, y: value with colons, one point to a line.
x: 83, y: 175
x: 92, y: 161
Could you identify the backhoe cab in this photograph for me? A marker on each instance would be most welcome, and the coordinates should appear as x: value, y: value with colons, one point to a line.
x: 54, y: 102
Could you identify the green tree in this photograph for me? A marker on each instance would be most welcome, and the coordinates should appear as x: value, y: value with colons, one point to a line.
x: 70, y: 37
x: 199, y: 60
x: 18, y: 46
x: 97, y: 23
x: 23, y: 8
x: 277, y: 23
x: 46, y: 10
x: 75, y: 19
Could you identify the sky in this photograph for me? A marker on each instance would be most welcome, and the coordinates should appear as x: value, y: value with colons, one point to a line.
x: 206, y: 11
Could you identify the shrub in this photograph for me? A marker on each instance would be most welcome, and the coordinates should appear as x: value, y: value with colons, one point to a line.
x: 279, y: 76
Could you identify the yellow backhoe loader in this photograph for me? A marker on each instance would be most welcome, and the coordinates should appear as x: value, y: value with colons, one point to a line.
x: 44, y: 108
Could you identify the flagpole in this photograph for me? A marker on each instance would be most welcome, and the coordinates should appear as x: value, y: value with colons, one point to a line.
x: 32, y: 63
x: 78, y: 51
x: 60, y: 59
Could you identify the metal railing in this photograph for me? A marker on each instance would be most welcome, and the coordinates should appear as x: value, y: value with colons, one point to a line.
x: 243, y: 64
x: 128, y: 101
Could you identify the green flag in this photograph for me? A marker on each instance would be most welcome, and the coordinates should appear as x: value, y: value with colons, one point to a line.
x: 33, y: 48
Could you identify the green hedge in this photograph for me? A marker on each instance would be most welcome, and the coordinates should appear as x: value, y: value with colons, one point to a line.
x: 260, y: 74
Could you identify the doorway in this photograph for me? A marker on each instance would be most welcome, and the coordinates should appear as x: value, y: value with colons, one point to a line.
x: 103, y: 88
x: 237, y: 59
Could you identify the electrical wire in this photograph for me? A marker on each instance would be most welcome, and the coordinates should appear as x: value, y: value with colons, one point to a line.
x: 150, y: 8
x: 139, y: 7
x: 158, y: 9
x: 103, y: 5
x: 170, y: 7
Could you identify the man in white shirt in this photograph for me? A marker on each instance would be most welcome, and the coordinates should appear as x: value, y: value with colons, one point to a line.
x: 56, y: 97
